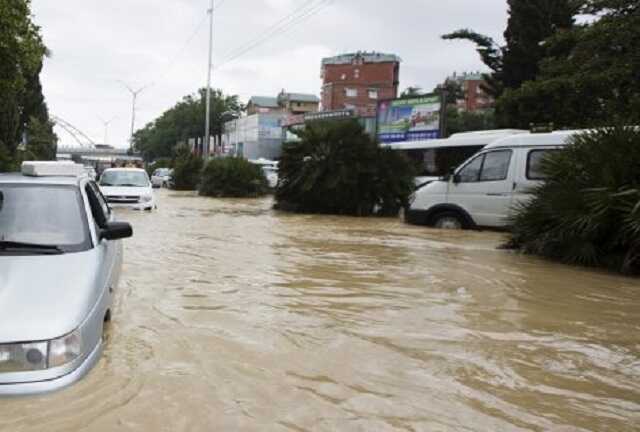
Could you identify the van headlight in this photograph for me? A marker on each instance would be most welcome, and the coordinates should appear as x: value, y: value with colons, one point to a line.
x: 37, y: 356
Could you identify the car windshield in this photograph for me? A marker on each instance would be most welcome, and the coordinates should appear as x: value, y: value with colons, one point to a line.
x: 124, y: 178
x: 42, y: 215
x: 162, y: 172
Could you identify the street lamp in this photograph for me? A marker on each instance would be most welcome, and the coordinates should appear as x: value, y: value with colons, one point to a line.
x: 106, y: 124
x: 134, y: 97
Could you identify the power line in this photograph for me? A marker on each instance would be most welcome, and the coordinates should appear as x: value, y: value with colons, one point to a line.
x: 171, y: 64
x: 284, y: 25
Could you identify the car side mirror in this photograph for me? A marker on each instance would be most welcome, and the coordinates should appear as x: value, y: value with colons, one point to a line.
x: 116, y: 231
x: 456, y: 179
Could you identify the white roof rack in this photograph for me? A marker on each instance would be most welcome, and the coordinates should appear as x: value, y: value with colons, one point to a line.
x: 52, y: 169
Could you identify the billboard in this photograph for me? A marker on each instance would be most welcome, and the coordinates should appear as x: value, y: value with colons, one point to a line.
x: 409, y: 119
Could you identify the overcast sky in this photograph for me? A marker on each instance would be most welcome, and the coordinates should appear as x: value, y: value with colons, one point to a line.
x: 96, y: 43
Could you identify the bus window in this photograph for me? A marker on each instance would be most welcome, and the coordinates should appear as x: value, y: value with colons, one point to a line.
x: 437, y: 162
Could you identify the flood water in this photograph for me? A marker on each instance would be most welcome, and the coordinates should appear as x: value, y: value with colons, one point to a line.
x: 231, y: 316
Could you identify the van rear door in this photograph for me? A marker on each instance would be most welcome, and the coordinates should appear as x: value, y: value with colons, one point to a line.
x: 529, y: 173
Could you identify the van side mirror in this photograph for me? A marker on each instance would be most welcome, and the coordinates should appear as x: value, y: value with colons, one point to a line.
x: 456, y: 179
x: 116, y: 231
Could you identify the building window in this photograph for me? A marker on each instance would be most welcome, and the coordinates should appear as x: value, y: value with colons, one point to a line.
x: 351, y: 92
x: 356, y: 74
x: 373, y: 93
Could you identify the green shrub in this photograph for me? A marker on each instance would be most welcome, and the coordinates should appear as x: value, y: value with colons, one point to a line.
x: 588, y: 211
x: 233, y: 177
x: 187, y: 169
x: 336, y: 168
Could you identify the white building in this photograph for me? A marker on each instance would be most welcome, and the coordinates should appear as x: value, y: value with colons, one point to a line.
x: 258, y: 136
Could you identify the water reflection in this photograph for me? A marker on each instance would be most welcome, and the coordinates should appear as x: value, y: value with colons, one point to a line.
x: 234, y: 317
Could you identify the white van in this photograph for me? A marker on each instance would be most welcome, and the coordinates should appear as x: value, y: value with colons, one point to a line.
x: 483, y: 191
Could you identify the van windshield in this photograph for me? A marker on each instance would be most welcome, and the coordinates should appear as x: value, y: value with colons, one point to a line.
x: 124, y: 179
x: 42, y: 215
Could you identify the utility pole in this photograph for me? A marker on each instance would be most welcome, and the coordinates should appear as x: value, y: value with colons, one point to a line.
x: 134, y: 97
x: 106, y: 124
x: 207, y: 122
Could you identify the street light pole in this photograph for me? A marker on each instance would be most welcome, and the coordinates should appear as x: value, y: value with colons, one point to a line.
x: 207, y: 122
x: 134, y: 99
x: 106, y: 124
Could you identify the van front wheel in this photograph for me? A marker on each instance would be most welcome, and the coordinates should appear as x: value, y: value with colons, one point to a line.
x: 448, y: 220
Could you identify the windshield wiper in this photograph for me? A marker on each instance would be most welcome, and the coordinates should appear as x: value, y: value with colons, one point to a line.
x: 129, y: 185
x: 12, y: 245
x: 106, y: 184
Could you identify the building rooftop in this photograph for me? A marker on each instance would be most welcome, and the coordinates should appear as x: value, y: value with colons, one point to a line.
x: 366, y: 57
x: 300, y: 97
x: 264, y: 101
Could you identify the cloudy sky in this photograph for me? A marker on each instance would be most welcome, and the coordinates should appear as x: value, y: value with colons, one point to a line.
x: 96, y: 44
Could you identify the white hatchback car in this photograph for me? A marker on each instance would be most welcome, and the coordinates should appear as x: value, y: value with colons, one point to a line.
x: 127, y: 187
x: 485, y: 189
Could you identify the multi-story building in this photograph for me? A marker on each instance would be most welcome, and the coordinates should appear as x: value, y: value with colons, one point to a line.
x: 289, y: 103
x: 259, y: 133
x: 358, y: 81
x: 475, y: 98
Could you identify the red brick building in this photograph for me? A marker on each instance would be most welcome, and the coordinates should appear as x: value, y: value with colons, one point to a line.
x: 475, y: 98
x: 358, y: 81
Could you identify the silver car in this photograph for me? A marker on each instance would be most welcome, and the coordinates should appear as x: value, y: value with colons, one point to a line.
x: 60, y: 262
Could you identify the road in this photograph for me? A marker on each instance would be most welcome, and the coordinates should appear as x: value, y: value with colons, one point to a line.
x: 231, y: 316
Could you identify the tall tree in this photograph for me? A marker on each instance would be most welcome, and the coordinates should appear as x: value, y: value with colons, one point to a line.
x: 590, y: 76
x: 183, y: 121
x: 530, y: 23
x: 21, y: 55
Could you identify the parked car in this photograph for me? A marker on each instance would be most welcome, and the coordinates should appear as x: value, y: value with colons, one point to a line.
x: 127, y: 187
x: 60, y: 262
x: 161, y: 177
x: 485, y: 189
x: 270, y: 170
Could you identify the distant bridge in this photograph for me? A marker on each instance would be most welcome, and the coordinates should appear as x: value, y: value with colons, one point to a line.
x: 99, y: 152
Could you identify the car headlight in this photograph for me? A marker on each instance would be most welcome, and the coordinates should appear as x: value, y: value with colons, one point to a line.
x: 37, y: 356
x: 23, y: 357
x: 65, y: 349
x: 146, y: 198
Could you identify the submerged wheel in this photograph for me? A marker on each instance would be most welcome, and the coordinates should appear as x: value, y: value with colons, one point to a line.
x: 448, y: 220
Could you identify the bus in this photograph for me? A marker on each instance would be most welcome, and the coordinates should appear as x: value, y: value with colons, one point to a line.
x: 437, y: 157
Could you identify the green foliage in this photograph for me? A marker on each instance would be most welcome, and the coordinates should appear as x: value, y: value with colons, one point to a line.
x: 187, y: 169
x: 530, y: 23
x: 233, y: 177
x: 588, y: 210
x: 185, y: 120
x: 464, y: 121
x: 336, y: 168
x: 21, y: 55
x: 590, y: 77
x: 412, y: 91
x: 41, y: 142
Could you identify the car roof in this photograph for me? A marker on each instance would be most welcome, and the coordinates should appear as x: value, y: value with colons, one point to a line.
x: 557, y: 138
x: 18, y: 178
x: 125, y: 169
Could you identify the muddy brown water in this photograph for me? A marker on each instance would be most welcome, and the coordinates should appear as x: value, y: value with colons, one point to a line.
x: 231, y: 316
